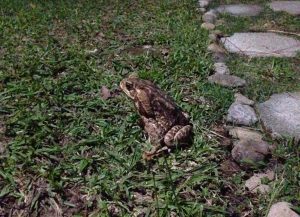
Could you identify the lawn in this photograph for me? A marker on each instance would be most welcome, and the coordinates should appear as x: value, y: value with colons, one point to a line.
x: 65, y: 149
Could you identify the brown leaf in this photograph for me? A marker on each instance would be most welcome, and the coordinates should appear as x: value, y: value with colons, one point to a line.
x: 105, y: 93
x: 229, y: 167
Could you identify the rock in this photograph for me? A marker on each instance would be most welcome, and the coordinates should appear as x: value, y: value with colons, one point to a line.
x: 282, y: 209
x: 209, y: 17
x: 218, y: 32
x: 203, y: 3
x: 280, y: 115
x: 208, y: 26
x: 91, y: 52
x: 213, y: 37
x: 249, y: 152
x: 257, y: 44
x: 240, y: 9
x: 239, y: 98
x: 291, y: 7
x: 254, y: 184
x: 219, y: 57
x: 202, y: 10
x: 243, y: 133
x: 215, y: 48
x: 241, y: 114
x: 226, y: 80
x: 221, y: 68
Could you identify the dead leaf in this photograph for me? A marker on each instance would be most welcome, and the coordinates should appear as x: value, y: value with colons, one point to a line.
x: 229, y: 167
x: 105, y: 93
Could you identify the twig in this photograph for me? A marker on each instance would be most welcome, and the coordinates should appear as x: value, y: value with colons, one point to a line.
x: 284, y: 32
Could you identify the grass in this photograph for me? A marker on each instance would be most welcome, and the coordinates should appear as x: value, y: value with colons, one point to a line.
x: 70, y: 151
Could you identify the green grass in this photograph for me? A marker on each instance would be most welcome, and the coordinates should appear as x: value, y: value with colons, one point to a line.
x: 70, y: 151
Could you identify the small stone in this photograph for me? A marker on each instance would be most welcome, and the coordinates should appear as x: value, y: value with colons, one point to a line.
x: 213, y: 37
x: 262, y: 189
x: 221, y: 68
x: 209, y: 17
x: 254, y: 184
x: 215, y: 48
x: 241, y: 114
x: 207, y: 26
x: 91, y: 52
x: 217, y: 32
x: 280, y: 115
x: 291, y: 7
x: 202, y: 10
x: 249, y: 152
x: 243, y: 133
x: 226, y: 80
x: 240, y: 9
x: 239, y: 98
x: 203, y: 3
x: 219, y: 57
x: 282, y: 209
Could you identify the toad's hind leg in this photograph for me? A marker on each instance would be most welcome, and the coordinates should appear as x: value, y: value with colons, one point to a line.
x: 178, y: 135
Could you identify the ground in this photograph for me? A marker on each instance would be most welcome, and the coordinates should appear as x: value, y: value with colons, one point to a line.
x: 69, y: 150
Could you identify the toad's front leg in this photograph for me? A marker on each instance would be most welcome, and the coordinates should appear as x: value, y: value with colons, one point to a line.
x: 179, y: 135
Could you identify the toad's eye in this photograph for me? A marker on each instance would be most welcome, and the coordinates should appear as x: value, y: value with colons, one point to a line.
x: 129, y: 86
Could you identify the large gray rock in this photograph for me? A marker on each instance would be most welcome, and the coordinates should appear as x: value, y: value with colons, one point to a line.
x: 291, y: 7
x: 250, y: 152
x: 226, y: 80
x: 262, y: 44
x: 241, y: 114
x: 282, y: 209
x: 281, y: 114
x: 240, y: 9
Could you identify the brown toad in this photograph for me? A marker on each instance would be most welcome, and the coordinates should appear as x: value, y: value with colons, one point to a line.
x: 165, y: 123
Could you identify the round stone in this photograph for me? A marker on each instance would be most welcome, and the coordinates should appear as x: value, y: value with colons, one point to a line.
x: 249, y: 152
x: 213, y: 37
x: 215, y: 48
x: 209, y: 17
x: 280, y: 115
x: 208, y: 26
x: 241, y: 114
x: 226, y: 80
x: 203, y: 3
x: 221, y: 68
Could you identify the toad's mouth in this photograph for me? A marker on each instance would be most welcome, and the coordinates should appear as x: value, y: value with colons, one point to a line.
x: 124, y: 85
